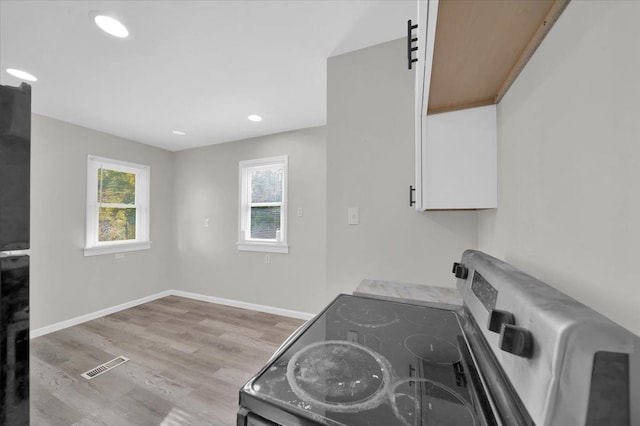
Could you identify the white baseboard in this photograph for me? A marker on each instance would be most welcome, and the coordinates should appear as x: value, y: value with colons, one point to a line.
x: 244, y: 305
x: 93, y: 315
x: 228, y: 302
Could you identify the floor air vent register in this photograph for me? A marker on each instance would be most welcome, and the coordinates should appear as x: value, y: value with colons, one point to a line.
x: 101, y: 369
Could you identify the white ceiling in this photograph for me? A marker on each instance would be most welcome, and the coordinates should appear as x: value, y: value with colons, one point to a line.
x: 197, y: 66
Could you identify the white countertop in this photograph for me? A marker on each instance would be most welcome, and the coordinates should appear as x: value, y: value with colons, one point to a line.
x: 409, y: 293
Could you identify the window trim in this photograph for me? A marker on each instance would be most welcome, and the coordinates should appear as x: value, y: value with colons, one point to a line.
x: 94, y: 247
x: 244, y: 214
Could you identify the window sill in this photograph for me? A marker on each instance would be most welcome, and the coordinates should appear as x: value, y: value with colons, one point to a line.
x: 265, y: 247
x: 117, y: 248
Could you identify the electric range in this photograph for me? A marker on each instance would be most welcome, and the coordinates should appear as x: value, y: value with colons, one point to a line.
x: 517, y: 353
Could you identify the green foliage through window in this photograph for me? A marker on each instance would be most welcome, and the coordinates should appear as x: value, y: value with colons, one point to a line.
x: 116, y: 187
x: 117, y: 224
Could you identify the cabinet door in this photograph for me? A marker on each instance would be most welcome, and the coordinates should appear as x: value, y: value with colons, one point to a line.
x: 427, y: 16
x: 460, y: 160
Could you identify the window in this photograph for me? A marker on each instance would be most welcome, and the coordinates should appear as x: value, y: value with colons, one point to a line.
x: 263, y: 205
x: 117, y: 206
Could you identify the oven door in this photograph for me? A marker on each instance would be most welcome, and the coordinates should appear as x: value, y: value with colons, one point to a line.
x: 254, y: 420
x: 246, y: 418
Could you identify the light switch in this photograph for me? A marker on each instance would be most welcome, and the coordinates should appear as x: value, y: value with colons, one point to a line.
x: 299, y: 211
x: 206, y: 222
x: 354, y: 215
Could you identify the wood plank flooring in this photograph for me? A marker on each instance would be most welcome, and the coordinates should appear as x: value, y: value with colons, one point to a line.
x: 188, y: 361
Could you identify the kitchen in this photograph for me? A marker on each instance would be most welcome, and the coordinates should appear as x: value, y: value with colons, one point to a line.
x: 565, y: 133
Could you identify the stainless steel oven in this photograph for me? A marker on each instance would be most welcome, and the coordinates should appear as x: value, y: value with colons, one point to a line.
x: 518, y: 352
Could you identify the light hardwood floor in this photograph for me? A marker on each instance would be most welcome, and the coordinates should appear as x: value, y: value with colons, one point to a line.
x: 188, y: 361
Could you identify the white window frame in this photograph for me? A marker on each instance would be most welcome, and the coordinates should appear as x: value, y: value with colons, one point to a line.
x: 245, y: 242
x: 143, y: 179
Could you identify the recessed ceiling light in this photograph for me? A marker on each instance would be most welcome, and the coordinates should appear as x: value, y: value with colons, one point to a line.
x: 111, y: 26
x: 21, y: 74
x: 254, y: 117
x: 178, y: 132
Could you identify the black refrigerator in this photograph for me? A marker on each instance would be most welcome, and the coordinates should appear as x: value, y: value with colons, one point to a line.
x: 15, y: 153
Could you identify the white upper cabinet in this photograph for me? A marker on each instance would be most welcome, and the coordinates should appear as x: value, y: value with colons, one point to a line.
x: 456, y: 151
x: 469, y: 54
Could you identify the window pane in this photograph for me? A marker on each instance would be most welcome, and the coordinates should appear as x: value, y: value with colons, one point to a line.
x: 265, y: 221
x: 117, y: 224
x: 116, y: 187
x: 266, y: 185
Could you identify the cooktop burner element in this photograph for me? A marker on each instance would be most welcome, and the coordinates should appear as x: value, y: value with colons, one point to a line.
x: 365, y: 315
x: 425, y: 318
x: 432, y: 349
x: 339, y: 376
x: 419, y: 402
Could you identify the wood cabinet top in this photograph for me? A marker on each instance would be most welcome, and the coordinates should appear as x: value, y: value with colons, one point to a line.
x: 482, y: 45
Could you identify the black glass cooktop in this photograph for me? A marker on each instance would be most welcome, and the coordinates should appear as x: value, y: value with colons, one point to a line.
x: 370, y: 362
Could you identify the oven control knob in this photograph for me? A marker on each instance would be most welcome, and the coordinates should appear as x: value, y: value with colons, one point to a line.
x: 460, y: 271
x: 516, y: 340
x: 497, y: 318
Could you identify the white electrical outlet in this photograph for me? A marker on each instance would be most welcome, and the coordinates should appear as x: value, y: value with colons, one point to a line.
x: 353, y: 215
x: 206, y: 222
x: 267, y: 258
x: 299, y: 211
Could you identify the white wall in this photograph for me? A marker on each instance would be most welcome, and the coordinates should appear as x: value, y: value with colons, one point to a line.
x: 63, y: 282
x: 370, y: 165
x: 206, y: 185
x: 569, y: 162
